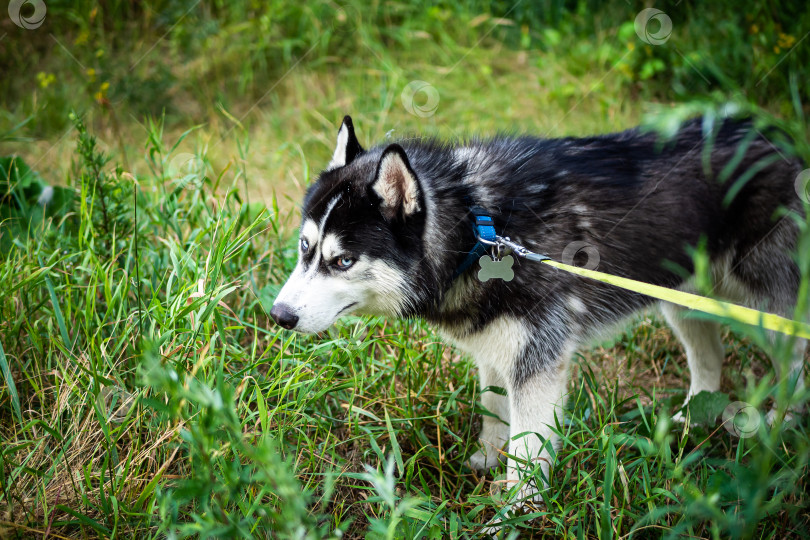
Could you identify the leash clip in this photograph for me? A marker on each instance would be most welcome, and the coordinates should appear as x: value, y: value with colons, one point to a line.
x: 501, y: 247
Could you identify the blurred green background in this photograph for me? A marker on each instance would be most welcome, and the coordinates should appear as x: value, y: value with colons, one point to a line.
x: 286, y: 72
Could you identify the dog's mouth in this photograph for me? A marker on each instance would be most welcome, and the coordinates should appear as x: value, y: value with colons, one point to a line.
x: 345, y: 309
x: 339, y: 314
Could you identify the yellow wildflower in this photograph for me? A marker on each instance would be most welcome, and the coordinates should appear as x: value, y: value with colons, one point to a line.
x: 101, y: 95
x: 45, y: 79
x: 82, y: 37
x: 786, y: 41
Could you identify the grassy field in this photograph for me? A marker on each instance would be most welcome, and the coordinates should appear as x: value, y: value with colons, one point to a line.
x: 145, y: 393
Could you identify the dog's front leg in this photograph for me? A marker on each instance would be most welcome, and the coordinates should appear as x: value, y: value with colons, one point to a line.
x: 534, y: 400
x: 495, y: 430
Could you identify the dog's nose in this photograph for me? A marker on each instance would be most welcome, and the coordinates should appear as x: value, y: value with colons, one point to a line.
x: 284, y: 316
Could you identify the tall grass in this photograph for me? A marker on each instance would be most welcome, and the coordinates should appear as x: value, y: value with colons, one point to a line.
x: 147, y: 394
x: 188, y: 58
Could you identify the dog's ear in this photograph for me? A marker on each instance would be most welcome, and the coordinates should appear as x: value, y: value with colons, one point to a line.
x: 396, y: 185
x: 348, y: 147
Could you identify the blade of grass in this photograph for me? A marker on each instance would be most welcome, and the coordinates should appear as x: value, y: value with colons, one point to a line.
x: 12, y: 388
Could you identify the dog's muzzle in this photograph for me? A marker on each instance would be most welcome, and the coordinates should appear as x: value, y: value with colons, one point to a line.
x: 284, y: 316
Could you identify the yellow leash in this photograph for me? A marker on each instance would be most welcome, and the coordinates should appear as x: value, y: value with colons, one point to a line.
x: 769, y: 321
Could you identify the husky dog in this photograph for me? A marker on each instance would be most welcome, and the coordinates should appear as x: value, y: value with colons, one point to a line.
x: 386, y: 230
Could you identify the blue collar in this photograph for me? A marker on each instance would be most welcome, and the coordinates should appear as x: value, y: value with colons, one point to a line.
x: 483, y: 227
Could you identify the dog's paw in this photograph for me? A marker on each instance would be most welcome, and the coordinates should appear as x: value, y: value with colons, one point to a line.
x: 482, y: 461
x: 496, y: 529
x: 773, y: 415
x: 491, y: 529
x: 680, y: 417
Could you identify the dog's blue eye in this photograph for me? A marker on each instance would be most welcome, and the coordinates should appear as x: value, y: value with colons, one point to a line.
x: 344, y: 262
x: 304, y: 245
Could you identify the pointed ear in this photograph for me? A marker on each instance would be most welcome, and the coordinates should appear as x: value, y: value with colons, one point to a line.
x: 347, y: 147
x: 396, y: 185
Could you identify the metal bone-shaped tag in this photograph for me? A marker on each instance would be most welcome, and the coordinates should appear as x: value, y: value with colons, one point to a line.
x: 492, y: 269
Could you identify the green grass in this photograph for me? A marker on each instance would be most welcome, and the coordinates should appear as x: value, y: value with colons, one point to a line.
x: 145, y: 393
x: 157, y: 399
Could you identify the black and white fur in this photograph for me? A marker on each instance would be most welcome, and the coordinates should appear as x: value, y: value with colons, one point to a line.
x: 384, y: 229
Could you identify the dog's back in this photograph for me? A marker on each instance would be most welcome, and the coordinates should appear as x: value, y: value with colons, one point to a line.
x: 625, y: 203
